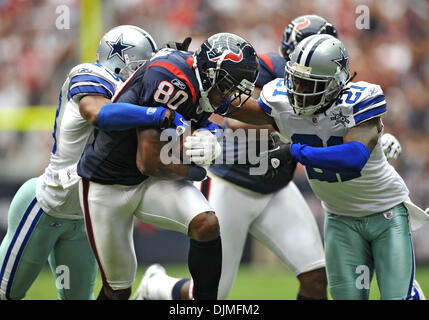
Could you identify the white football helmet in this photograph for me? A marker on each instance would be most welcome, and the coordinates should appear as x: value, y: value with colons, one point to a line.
x: 316, y: 73
x: 124, y: 48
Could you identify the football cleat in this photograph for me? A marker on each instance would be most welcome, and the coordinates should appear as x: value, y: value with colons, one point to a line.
x: 143, y: 292
x: 417, y: 292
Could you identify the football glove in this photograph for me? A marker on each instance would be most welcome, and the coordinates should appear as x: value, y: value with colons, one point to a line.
x: 391, y: 146
x: 202, y: 147
x: 174, y: 119
x: 183, y: 46
x: 281, y: 163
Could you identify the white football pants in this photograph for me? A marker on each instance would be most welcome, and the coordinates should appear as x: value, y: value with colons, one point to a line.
x: 109, y: 211
x: 282, y: 221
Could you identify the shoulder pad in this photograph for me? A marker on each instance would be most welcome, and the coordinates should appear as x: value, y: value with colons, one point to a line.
x: 92, y: 78
x: 96, y: 70
x: 273, y: 97
x: 363, y: 100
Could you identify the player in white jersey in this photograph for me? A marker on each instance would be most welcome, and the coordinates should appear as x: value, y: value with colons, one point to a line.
x: 274, y: 213
x: 45, y: 219
x: 335, y: 127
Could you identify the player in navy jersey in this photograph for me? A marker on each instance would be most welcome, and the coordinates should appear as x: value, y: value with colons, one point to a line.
x: 117, y: 185
x: 275, y: 212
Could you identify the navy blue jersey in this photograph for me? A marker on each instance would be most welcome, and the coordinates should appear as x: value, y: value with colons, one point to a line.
x: 168, y: 80
x: 271, y: 66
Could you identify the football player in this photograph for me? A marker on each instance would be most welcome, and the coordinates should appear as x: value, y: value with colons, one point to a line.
x: 256, y: 202
x: 274, y: 212
x: 118, y: 185
x: 45, y: 221
x: 335, y: 128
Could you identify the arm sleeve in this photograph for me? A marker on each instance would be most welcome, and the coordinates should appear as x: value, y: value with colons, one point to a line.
x: 124, y: 116
x: 348, y: 157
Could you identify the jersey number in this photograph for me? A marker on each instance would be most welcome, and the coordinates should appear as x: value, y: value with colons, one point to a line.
x: 276, y: 92
x: 319, y: 174
x: 164, y: 95
x: 352, y: 95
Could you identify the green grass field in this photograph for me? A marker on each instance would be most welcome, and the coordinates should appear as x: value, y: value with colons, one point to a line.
x: 252, y: 283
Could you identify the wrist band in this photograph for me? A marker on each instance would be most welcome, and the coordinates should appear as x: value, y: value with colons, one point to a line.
x: 195, y: 173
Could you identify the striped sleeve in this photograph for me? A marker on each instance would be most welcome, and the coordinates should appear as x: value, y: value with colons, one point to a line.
x: 264, y: 106
x: 83, y: 84
x: 369, y: 108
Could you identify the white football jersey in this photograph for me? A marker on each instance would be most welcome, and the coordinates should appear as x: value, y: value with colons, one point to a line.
x: 378, y: 187
x: 57, y: 188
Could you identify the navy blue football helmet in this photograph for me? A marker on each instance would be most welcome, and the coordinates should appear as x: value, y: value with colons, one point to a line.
x: 301, y: 28
x: 228, y: 63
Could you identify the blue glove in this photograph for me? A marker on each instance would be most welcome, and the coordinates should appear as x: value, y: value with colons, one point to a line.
x: 176, y: 120
x: 212, y: 127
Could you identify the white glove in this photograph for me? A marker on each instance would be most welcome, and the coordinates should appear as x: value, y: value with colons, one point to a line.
x: 391, y: 146
x: 202, y: 147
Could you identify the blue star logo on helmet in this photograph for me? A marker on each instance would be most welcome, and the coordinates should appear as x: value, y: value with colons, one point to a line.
x: 117, y: 48
x: 343, y: 61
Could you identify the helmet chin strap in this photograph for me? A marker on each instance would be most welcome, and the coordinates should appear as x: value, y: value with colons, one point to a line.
x: 204, y: 102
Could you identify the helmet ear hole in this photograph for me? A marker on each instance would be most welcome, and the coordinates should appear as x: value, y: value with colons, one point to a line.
x: 117, y: 71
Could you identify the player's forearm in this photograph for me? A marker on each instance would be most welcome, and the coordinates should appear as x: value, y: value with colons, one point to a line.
x: 251, y: 112
x: 235, y: 124
x: 348, y: 157
x: 90, y: 106
x: 351, y: 156
x: 366, y: 133
x: 155, y: 168
x: 100, y: 112
x: 149, y: 162
x: 171, y: 171
x: 124, y: 116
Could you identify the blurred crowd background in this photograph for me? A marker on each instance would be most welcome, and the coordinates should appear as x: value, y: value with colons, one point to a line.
x: 35, y: 57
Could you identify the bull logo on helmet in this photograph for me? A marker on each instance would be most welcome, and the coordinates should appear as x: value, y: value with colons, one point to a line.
x: 221, y: 49
x: 302, y: 24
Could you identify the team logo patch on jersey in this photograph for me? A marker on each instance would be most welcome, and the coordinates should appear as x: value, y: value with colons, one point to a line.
x: 275, y: 162
x: 84, y: 70
x: 340, y: 118
x: 150, y: 111
x: 372, y: 91
x: 178, y: 84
